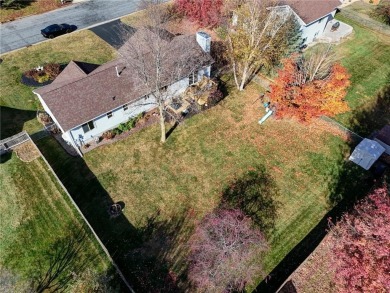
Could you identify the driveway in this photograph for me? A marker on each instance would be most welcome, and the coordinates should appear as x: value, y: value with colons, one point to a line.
x: 115, y: 32
x: 26, y: 31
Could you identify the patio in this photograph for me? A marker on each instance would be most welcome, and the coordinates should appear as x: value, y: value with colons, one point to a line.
x: 335, y: 36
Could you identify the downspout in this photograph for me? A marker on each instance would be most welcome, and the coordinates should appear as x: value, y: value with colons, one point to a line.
x: 74, y: 145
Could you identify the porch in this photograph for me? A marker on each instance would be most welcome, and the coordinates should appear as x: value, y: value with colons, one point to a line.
x: 334, y: 32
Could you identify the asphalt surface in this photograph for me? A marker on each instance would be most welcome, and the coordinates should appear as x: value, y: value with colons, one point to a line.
x: 114, y: 32
x: 27, y: 31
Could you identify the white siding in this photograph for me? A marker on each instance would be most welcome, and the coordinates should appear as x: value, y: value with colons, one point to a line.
x: 315, y: 29
x: 103, y: 123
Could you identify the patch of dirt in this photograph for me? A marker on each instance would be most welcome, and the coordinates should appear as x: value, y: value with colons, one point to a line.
x: 315, y: 274
x: 27, y: 151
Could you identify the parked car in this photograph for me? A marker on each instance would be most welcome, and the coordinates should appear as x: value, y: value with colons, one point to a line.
x: 55, y: 30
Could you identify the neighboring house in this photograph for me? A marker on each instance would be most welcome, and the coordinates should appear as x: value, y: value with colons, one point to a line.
x: 86, y: 100
x: 312, y: 15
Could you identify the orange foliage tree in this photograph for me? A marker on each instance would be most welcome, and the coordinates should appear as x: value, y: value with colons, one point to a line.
x: 305, y: 90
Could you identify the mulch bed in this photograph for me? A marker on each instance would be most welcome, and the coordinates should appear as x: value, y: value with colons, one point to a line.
x: 27, y: 151
x: 29, y: 81
x: 139, y: 126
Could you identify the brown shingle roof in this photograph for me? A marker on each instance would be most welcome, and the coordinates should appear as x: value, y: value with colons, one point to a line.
x: 311, y: 10
x: 75, y: 101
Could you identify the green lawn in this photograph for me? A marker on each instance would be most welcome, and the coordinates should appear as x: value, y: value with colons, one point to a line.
x: 36, y: 217
x: 167, y: 188
x: 366, y: 56
x: 26, y: 8
x: 18, y: 103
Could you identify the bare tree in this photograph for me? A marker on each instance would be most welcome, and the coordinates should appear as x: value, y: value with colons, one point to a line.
x: 315, y: 65
x: 257, y: 36
x: 159, y: 59
x: 224, y: 252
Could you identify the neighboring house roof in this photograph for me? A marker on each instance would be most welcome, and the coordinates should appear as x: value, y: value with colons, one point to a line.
x: 366, y: 153
x: 77, y: 97
x: 311, y: 10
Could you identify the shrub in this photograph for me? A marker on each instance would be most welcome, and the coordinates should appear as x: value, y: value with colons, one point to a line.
x: 360, y: 246
x: 222, y: 252
x: 204, y: 12
x: 108, y: 134
x: 52, y: 70
x: 215, y: 97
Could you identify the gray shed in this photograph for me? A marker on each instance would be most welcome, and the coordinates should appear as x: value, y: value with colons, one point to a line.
x: 366, y: 153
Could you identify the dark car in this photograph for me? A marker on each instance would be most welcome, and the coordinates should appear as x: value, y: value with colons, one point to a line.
x: 55, y: 30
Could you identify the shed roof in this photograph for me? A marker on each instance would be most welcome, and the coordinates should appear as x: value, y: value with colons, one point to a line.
x: 366, y: 153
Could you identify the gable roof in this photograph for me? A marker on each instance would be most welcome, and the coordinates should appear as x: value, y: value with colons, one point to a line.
x: 311, y: 10
x: 78, y: 97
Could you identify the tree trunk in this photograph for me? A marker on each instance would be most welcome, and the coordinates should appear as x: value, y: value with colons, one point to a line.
x: 162, y: 124
x: 243, y: 78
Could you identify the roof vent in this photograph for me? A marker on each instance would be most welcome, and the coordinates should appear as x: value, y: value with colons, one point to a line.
x: 113, y: 98
x: 117, y: 72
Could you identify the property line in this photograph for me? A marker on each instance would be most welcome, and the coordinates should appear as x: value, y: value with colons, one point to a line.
x: 86, y: 221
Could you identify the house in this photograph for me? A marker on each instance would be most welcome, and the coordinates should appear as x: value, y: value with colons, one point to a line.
x: 86, y: 100
x: 312, y: 15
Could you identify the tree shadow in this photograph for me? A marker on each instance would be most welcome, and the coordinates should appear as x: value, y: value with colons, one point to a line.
x: 159, y: 264
x: 375, y: 116
x: 254, y: 193
x: 146, y: 256
x: 12, y: 120
x: 116, y: 233
x: 62, y: 262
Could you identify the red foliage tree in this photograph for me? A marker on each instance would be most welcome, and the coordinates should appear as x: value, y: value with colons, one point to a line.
x: 223, y: 252
x: 204, y: 12
x: 361, y: 246
x: 300, y: 93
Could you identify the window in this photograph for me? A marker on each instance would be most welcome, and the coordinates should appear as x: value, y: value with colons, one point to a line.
x: 88, y: 126
x: 109, y: 115
x: 125, y: 107
x: 191, y: 79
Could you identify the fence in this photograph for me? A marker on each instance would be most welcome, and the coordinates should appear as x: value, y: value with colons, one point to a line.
x: 13, y: 141
x: 366, y: 22
x: 354, y: 137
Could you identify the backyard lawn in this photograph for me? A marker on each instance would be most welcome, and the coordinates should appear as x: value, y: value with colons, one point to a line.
x: 366, y: 56
x: 36, y: 217
x: 167, y: 188
x: 18, y: 103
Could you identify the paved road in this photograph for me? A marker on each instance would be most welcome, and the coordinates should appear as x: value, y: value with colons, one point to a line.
x: 26, y: 31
